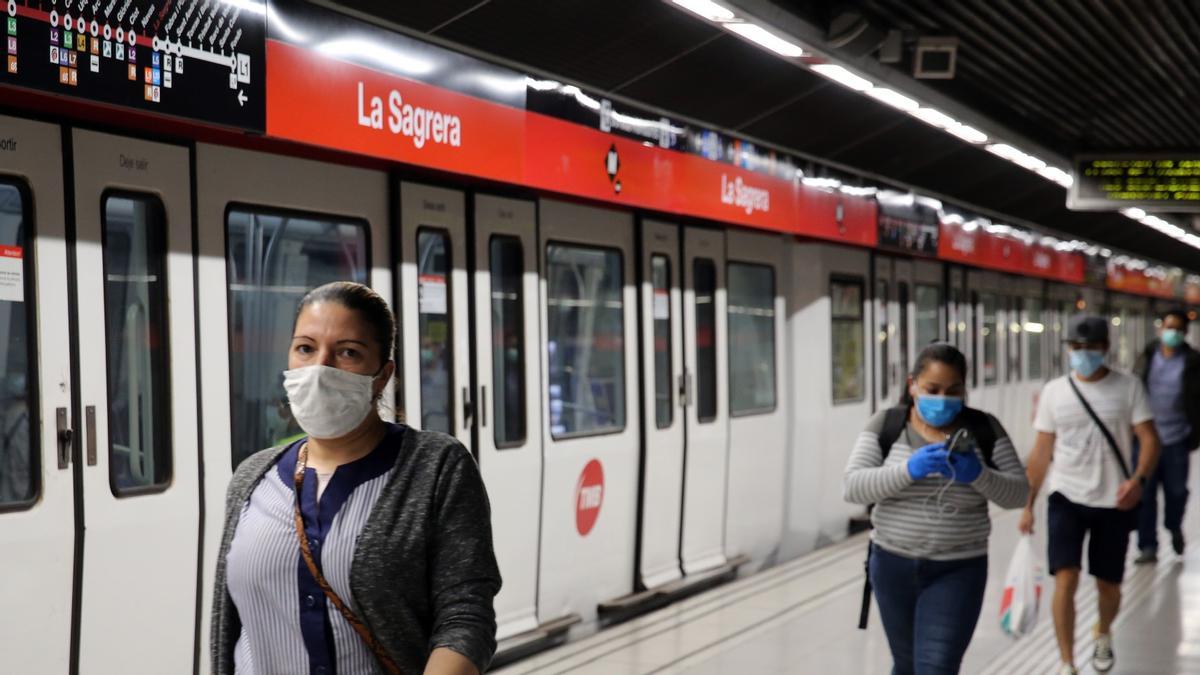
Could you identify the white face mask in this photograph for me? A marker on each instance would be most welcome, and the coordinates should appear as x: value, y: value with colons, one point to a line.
x: 328, y: 402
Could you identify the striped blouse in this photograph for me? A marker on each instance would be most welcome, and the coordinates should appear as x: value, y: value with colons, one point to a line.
x: 907, y: 518
x: 287, y: 624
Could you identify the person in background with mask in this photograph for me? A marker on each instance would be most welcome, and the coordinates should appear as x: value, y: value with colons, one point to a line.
x: 1170, y: 370
x: 928, y: 559
x: 1085, y: 423
x: 365, y: 547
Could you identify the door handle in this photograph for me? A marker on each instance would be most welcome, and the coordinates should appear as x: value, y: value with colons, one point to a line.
x: 89, y: 414
x: 468, y: 410
x: 65, y: 437
x: 483, y: 406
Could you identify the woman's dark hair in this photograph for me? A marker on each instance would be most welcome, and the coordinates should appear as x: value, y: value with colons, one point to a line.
x: 942, y: 352
x: 365, y: 302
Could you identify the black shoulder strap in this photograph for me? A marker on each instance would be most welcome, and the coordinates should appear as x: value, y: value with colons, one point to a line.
x: 1112, y: 442
x: 981, y: 428
x: 894, y: 422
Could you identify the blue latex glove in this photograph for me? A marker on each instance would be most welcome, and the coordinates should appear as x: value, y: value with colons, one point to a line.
x: 967, y: 466
x: 928, y: 459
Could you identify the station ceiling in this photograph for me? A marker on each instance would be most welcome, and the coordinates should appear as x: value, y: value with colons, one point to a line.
x: 1070, y: 75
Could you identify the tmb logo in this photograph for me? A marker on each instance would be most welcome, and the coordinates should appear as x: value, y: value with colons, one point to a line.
x: 589, y: 495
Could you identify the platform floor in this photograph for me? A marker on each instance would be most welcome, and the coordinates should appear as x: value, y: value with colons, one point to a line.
x: 801, y: 617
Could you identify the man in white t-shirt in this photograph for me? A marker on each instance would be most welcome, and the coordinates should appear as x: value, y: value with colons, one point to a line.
x: 1094, y: 488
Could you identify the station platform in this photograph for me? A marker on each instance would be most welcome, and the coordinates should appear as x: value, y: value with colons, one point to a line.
x: 801, y: 617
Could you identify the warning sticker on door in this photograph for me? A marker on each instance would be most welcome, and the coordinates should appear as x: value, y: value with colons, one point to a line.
x: 662, y: 305
x: 12, y: 274
x: 431, y: 294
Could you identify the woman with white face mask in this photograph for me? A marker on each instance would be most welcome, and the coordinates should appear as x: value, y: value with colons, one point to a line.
x: 366, y: 546
x: 930, y: 466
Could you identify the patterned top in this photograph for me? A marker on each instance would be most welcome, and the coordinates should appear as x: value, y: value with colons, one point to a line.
x: 909, y: 519
x: 287, y: 623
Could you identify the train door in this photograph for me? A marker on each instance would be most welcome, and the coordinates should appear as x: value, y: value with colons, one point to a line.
x: 885, y: 354
x: 758, y: 417
x: 664, y: 394
x: 509, y: 414
x: 270, y: 229
x: 958, y: 314
x: 591, y: 427
x: 702, y: 545
x: 37, y: 494
x: 137, y: 383
x: 433, y: 301
x: 902, y: 273
x: 986, y: 331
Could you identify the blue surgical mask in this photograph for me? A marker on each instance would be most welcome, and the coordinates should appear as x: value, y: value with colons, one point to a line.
x: 1172, y: 338
x: 1086, y: 361
x: 939, y: 410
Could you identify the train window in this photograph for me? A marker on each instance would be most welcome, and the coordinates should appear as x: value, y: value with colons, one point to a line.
x: 958, y: 319
x: 929, y: 304
x: 585, y: 340
x: 1013, y: 341
x: 660, y: 280
x: 135, y: 317
x: 19, y: 460
x: 751, y: 317
x: 434, y: 330
x: 882, y: 294
x: 846, y: 318
x: 1035, y: 330
x: 508, y: 341
x: 990, y: 334
x: 704, y: 281
x: 272, y: 259
x: 902, y: 299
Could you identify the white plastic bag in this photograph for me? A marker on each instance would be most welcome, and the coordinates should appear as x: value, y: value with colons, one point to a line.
x: 1022, y: 590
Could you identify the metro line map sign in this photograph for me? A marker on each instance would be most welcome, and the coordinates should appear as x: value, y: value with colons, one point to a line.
x: 199, y: 59
x: 1167, y: 182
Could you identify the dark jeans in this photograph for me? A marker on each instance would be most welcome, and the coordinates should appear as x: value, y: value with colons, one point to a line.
x: 1172, y: 475
x: 929, y: 609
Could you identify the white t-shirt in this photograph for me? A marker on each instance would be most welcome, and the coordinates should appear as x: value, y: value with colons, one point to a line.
x: 1084, y: 469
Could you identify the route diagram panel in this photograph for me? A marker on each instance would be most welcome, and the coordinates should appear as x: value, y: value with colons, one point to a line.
x: 199, y: 59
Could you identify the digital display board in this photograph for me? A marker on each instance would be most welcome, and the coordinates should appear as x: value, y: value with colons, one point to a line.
x: 1167, y: 182
x: 199, y: 59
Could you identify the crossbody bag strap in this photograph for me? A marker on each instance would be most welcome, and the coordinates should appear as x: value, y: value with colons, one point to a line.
x: 359, y: 627
x: 1112, y: 442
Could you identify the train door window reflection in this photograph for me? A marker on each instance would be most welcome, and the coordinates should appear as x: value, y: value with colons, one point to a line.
x: 1013, y: 340
x: 434, y: 330
x: 20, y: 467
x: 882, y: 293
x: 585, y: 340
x: 506, y: 262
x: 135, y: 301
x: 846, y: 317
x: 704, y: 283
x: 990, y: 334
x: 929, y: 303
x: 1035, y: 329
x: 751, y: 318
x: 660, y: 281
x: 273, y: 258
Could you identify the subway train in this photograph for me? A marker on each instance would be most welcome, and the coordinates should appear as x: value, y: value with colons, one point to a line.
x: 660, y: 391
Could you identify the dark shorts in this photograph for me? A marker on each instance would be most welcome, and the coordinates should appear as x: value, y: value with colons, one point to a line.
x: 1108, y: 537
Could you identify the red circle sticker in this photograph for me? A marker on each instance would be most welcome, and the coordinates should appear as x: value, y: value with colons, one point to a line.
x: 589, y: 494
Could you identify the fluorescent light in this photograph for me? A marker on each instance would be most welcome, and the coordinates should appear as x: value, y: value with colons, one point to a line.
x: 842, y: 76
x: 830, y: 183
x: 706, y: 9
x: 766, y: 39
x: 1057, y: 175
x: 1136, y: 214
x: 894, y: 99
x: 1016, y: 156
x: 1034, y: 327
x: 968, y: 134
x: 933, y: 117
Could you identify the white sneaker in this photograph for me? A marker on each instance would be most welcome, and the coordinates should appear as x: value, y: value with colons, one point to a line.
x: 1102, y: 657
x: 1067, y: 669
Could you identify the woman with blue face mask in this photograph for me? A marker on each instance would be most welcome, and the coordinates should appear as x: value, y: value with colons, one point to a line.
x: 928, y: 559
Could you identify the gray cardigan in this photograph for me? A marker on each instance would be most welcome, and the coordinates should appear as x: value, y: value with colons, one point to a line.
x: 424, y: 573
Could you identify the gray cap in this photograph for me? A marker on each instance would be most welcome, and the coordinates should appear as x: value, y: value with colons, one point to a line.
x: 1087, y: 328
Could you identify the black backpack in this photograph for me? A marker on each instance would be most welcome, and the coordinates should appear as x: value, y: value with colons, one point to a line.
x: 975, y: 421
